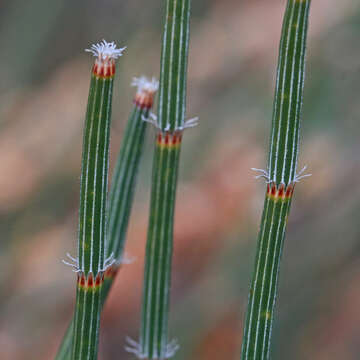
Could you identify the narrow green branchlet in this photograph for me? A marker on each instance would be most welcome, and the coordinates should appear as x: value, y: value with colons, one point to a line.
x: 281, y: 178
x: 124, y: 178
x: 121, y: 192
x: 125, y: 174
x: 64, y: 351
x: 90, y: 265
x: 170, y: 123
x: 156, y: 291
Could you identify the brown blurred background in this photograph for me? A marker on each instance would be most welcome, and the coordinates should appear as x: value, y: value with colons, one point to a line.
x: 233, y: 54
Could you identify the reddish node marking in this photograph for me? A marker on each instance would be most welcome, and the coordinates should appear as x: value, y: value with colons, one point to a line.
x: 280, y: 192
x: 169, y: 139
x: 290, y: 190
x: 273, y: 190
x: 81, y: 279
x: 90, y: 280
x: 99, y: 279
x: 144, y: 99
x: 111, y: 271
x: 88, y: 283
x: 104, y: 68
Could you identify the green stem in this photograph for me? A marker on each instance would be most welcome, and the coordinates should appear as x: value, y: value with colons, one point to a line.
x: 90, y: 264
x: 284, y: 146
x: 121, y: 192
x: 173, y: 68
x: 125, y: 175
x: 93, y: 192
x: 124, y: 180
x: 154, y: 335
x: 153, y: 343
x: 281, y: 176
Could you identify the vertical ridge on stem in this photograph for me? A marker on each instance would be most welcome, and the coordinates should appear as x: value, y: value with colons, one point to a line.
x: 154, y: 334
x: 93, y: 193
x: 281, y: 178
x: 288, y: 94
x: 170, y: 123
x: 121, y: 193
x: 174, y: 59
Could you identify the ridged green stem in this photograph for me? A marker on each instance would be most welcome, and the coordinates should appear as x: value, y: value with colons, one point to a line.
x: 120, y: 202
x: 281, y: 176
x: 153, y: 343
x: 173, y: 69
x: 260, y: 312
x: 124, y: 180
x: 284, y: 141
x: 91, y: 244
x: 154, y: 326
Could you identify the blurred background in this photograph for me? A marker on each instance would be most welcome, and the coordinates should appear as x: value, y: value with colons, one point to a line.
x: 44, y: 83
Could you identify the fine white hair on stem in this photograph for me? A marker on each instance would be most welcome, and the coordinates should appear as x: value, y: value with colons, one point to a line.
x: 300, y: 175
x: 191, y: 122
x: 134, y: 347
x: 153, y: 120
x: 126, y: 259
x: 145, y: 84
x: 74, y: 264
x: 263, y: 174
x: 109, y: 262
x: 106, y: 50
x: 171, y: 348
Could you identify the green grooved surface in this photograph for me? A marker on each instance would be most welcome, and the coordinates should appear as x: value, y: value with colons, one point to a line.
x: 120, y: 202
x: 156, y: 291
x: 281, y: 170
x: 260, y: 312
x: 284, y: 145
x: 172, y: 93
x: 153, y: 343
x: 87, y: 319
x: 123, y: 182
x: 94, y: 175
x: 93, y: 192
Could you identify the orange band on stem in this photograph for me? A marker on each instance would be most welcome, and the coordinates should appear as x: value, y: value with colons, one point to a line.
x: 111, y: 271
x: 104, y: 69
x: 280, y: 192
x: 88, y: 283
x: 169, y: 140
x: 144, y: 99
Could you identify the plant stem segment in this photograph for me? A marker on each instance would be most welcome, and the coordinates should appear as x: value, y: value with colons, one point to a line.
x: 173, y: 69
x: 90, y: 264
x: 93, y: 192
x: 126, y: 168
x: 153, y: 343
x: 121, y: 193
x: 125, y: 175
x: 154, y: 326
x: 281, y: 177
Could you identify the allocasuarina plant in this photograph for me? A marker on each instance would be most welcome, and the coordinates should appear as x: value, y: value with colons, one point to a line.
x: 91, y: 264
x: 121, y: 192
x: 170, y: 123
x: 124, y: 179
x: 281, y: 177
